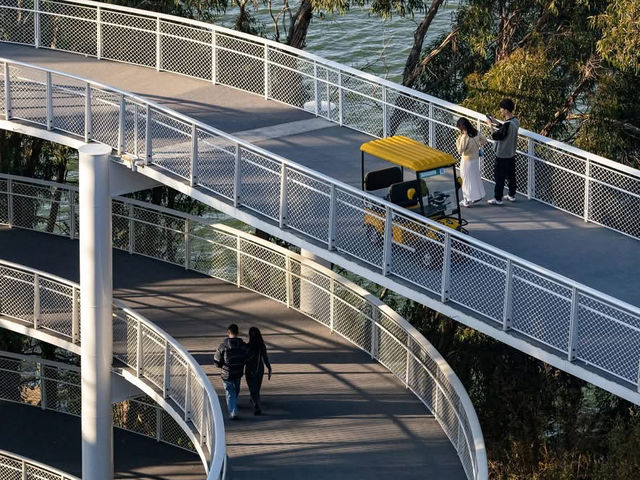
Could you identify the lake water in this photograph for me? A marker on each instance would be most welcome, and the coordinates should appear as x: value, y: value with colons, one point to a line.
x: 361, y: 40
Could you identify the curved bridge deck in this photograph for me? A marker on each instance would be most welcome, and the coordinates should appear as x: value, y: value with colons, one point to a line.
x: 585, y: 252
x: 331, y: 412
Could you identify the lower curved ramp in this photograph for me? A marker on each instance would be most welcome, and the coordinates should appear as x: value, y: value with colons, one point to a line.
x: 331, y: 412
x: 54, y: 439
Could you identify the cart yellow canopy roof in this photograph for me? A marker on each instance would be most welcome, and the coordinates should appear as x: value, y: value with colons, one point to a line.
x: 408, y: 153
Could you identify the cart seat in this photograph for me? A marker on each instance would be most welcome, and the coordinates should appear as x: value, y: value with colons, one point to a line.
x: 405, y: 194
x: 377, y: 179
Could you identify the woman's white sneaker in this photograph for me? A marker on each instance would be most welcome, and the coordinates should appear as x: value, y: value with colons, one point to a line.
x: 494, y: 201
x: 510, y: 198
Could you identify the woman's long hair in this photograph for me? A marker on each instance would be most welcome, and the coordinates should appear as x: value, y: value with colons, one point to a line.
x: 255, y: 337
x: 465, y: 125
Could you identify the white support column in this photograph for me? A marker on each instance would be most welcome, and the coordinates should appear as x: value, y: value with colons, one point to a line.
x: 121, y: 122
x: 36, y: 301
x: 158, y: 46
x: 587, y: 190
x: 237, y: 177
x: 266, y: 72
x: 573, y: 326
x: 96, y: 312
x: 387, y: 241
x: 340, y: 100
x: 193, y: 170
x: 446, y: 269
x: 214, y: 57
x: 508, y: 297
x: 87, y: 113
x: 282, y: 217
x: 531, y: 169
x: 331, y: 241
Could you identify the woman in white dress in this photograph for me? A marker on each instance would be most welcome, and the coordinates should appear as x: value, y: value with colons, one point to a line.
x: 468, y: 144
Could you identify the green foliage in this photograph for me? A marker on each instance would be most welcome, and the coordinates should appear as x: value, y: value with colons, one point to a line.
x: 620, y: 41
x: 204, y: 10
x: 527, y: 77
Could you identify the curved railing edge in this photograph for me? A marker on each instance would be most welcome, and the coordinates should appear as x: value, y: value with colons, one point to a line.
x: 367, y: 76
x: 219, y: 432
x: 27, y: 461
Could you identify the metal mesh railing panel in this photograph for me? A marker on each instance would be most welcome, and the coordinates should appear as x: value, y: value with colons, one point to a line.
x: 178, y: 378
x: 216, y: 163
x: 105, y: 110
x: 290, y: 78
x: 128, y: 38
x: 468, y: 264
x: 68, y: 101
x: 560, y: 188
x: 56, y: 306
x: 240, y: 63
x: 210, y: 255
x: 261, y: 275
x: 177, y: 39
x: 171, y: 144
x: 16, y: 24
x: 71, y: 28
x: 260, y: 184
x: 392, y: 354
x: 159, y: 236
x: 125, y: 335
x: 359, y: 227
x: 612, y: 207
x: 28, y: 94
x: 152, y: 356
x: 17, y: 300
x: 308, y: 205
x: 541, y: 308
x: 173, y: 434
x: 608, y: 336
x: 10, y: 468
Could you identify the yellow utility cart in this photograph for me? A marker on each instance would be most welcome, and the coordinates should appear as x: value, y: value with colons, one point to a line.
x: 433, y: 193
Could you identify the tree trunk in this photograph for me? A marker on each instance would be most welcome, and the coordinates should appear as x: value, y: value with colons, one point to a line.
x: 298, y: 30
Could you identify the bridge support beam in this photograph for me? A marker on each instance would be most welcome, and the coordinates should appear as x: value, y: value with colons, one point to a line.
x: 96, y: 292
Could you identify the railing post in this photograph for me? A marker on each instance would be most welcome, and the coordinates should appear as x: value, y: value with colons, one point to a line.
x: 49, y: 100
x: 87, y: 113
x: 36, y: 23
x: 332, y: 303
x: 132, y: 229
x: 407, y: 364
x: 340, y: 100
x: 139, y: 352
x: 193, y: 172
x: 432, y: 133
x: 531, y: 169
x: 158, y: 424
x: 187, y: 244
x: 587, y: 190
x: 289, y: 281
x: 214, y: 56
x: 187, y: 396
x: 237, y: 177
x: 36, y: 301
x: 573, y: 326
x: 166, y: 376
x: 282, y: 218
x: 135, y: 132
x: 7, y: 91
x: 148, y: 145
x: 446, y: 268
x: 331, y: 243
x: 203, y: 428
x: 99, y: 33
x: 238, y: 262
x: 75, y: 318
x: 316, y: 93
x: 375, y: 334
x: 508, y: 297
x: 385, y: 119
x: 158, y: 45
x: 387, y: 241
x: 328, y: 92
x: 266, y: 71
x: 121, y: 118
x: 24, y: 469
x: 43, y: 386
x: 10, y: 202
x: 72, y: 214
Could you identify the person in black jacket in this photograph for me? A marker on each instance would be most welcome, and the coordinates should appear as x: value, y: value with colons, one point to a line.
x: 257, y: 359
x: 230, y: 357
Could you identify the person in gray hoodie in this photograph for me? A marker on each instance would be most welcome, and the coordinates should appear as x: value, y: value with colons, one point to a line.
x: 506, y: 137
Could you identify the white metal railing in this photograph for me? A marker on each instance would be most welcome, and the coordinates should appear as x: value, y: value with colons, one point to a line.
x: 43, y: 301
x: 14, y: 466
x: 547, y: 310
x: 583, y: 184
x: 283, y: 276
x: 31, y: 380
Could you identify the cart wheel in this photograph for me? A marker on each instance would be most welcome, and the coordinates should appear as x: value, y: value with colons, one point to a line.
x: 372, y: 234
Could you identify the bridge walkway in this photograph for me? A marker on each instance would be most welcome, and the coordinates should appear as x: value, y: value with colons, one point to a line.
x: 595, y: 256
x: 330, y: 411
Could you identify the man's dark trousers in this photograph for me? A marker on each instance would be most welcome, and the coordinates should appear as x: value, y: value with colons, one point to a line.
x: 505, y: 169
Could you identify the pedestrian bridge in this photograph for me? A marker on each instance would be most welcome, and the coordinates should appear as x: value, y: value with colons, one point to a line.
x: 553, y: 275
x: 331, y: 409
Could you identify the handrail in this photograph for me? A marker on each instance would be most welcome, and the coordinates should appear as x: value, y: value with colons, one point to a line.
x: 28, y: 469
x: 156, y: 423
x: 284, y: 272
x: 47, y: 302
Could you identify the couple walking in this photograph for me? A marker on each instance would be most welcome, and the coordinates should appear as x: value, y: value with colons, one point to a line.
x: 469, y: 144
x: 236, y: 358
